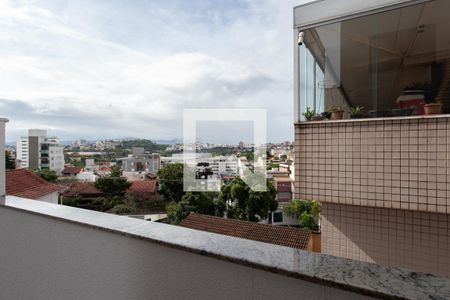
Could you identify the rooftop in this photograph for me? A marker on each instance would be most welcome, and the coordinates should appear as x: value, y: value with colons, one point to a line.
x: 26, y: 184
x: 143, y: 186
x: 277, y: 235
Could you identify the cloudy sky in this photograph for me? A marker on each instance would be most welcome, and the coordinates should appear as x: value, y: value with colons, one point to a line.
x: 108, y: 69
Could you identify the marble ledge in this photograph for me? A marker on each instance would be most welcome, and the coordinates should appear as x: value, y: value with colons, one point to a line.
x: 355, y: 276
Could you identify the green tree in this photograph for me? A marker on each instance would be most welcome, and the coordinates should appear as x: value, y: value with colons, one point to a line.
x: 171, y: 182
x: 113, y: 186
x: 116, y: 171
x: 47, y: 174
x: 121, y: 209
x: 198, y: 202
x: 72, y: 200
x: 9, y: 161
x: 306, y: 211
x: 238, y: 201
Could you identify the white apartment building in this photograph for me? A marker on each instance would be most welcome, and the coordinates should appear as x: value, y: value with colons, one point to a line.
x: 37, y: 151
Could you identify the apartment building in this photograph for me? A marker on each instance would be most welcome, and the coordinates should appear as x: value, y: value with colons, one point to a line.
x: 140, y: 161
x: 381, y: 173
x: 37, y: 151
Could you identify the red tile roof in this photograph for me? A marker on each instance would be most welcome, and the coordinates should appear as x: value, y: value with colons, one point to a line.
x: 72, y: 170
x: 277, y: 235
x: 26, y: 184
x: 104, y: 169
x: 143, y: 186
x: 84, y: 189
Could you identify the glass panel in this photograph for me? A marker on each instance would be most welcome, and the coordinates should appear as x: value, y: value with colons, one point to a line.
x: 391, y: 63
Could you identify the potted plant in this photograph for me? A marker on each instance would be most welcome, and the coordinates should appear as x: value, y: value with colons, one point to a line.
x: 429, y: 92
x: 326, y: 115
x: 356, y: 112
x: 318, y: 118
x: 337, y: 113
x: 434, y: 108
x: 309, y: 114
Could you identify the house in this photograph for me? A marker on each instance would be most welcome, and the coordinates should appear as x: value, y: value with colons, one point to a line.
x: 283, y: 186
x: 277, y: 235
x: 26, y: 184
x: 71, y: 171
x: 144, y: 189
x: 82, y: 189
x: 379, y: 166
x: 87, y: 176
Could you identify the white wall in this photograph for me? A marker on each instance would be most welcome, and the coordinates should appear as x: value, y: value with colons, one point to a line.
x: 50, y: 198
x: 56, y: 158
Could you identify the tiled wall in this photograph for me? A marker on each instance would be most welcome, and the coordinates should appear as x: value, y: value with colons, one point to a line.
x: 392, y: 163
x: 411, y: 239
x: 384, y: 188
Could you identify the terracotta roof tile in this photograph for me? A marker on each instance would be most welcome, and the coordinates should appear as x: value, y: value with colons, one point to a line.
x: 85, y: 189
x: 143, y: 186
x: 26, y: 184
x: 72, y: 170
x: 277, y: 235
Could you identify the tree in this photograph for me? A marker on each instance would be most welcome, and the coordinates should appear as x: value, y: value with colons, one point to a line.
x: 171, y: 182
x: 198, y: 202
x: 116, y: 171
x: 47, y: 174
x: 306, y: 211
x: 9, y: 161
x: 113, y: 186
x: 238, y: 201
x: 120, y: 209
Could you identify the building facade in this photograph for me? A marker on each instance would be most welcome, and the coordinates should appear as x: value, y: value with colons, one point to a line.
x: 37, y: 151
x: 140, y: 161
x: 382, y: 175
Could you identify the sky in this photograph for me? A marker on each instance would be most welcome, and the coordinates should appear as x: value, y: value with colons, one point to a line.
x: 114, y: 69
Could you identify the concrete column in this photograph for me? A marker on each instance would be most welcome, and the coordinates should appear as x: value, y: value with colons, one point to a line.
x: 2, y: 159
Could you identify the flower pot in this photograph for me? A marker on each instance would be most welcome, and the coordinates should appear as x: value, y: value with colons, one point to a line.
x: 433, y: 108
x: 318, y: 118
x: 337, y: 115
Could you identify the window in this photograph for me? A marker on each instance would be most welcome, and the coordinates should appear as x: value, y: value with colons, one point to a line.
x: 391, y: 63
x: 277, y: 217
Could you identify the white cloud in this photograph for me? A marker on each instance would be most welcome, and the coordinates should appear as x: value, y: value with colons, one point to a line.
x: 129, y: 71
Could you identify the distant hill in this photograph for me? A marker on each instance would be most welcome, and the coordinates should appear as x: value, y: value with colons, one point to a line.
x: 148, y: 145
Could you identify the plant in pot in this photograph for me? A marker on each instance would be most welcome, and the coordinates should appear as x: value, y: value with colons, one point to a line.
x: 337, y: 113
x: 309, y: 114
x: 429, y: 92
x: 326, y: 115
x: 434, y: 108
x: 356, y: 112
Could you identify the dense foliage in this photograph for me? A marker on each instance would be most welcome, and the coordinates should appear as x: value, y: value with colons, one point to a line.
x: 148, y: 145
x: 113, y: 186
x: 238, y: 201
x: 47, y: 174
x: 171, y: 182
x: 306, y: 211
x: 199, y: 202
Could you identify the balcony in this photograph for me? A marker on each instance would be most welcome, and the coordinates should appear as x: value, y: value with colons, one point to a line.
x: 52, y: 251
